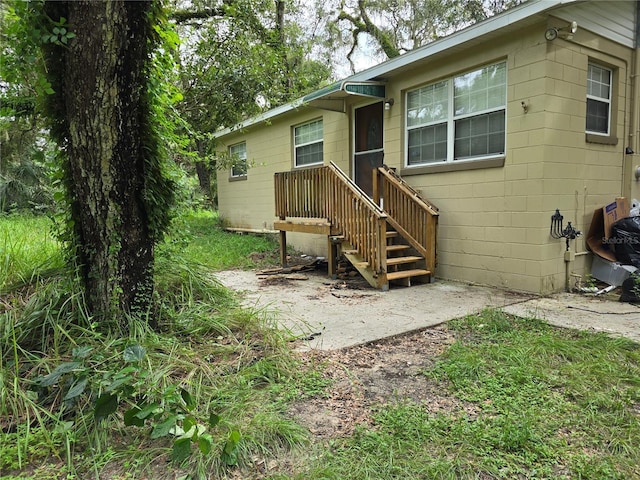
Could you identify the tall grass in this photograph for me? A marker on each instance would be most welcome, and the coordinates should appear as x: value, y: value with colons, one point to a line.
x: 201, y: 237
x: 27, y: 247
x: 56, y: 363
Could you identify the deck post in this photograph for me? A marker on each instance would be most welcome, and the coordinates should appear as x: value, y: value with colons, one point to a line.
x: 376, y: 186
x: 332, y: 256
x: 283, y: 248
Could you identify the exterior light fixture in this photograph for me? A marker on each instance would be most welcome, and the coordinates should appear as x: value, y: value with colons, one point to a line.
x: 565, y: 33
x: 568, y: 232
x: 388, y: 103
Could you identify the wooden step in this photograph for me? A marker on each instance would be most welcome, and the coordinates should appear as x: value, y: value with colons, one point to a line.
x: 406, y: 274
x: 403, y: 260
x: 392, y: 234
x: 397, y: 248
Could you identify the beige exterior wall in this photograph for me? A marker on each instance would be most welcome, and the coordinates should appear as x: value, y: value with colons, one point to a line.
x: 494, y: 222
x: 250, y: 202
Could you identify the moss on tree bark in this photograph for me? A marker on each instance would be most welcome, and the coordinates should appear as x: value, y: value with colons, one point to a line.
x: 101, y: 117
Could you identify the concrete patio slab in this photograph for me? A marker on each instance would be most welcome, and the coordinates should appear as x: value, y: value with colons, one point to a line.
x: 333, y: 314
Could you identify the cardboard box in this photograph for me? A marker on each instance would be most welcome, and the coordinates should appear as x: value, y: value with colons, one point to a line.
x: 595, y: 237
x: 614, y: 212
x: 600, y: 228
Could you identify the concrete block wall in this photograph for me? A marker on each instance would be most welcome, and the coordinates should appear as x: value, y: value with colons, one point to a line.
x: 250, y: 203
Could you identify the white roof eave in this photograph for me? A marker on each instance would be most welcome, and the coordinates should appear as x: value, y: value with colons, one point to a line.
x: 526, y: 10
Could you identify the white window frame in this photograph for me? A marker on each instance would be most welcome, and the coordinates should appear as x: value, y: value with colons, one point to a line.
x: 597, y: 98
x: 310, y: 142
x: 452, y: 118
x: 239, y: 155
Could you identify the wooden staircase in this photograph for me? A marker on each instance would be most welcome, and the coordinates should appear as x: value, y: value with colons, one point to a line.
x: 404, y: 265
x: 395, y: 245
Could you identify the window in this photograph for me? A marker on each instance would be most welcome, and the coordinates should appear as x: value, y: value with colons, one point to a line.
x: 427, y: 112
x: 308, y: 144
x: 598, y: 100
x: 238, y: 154
x: 462, y: 118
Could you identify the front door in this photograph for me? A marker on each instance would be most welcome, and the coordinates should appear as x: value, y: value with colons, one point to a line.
x: 368, y: 153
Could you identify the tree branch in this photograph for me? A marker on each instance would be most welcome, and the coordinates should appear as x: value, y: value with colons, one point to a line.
x: 184, y: 16
x: 364, y: 24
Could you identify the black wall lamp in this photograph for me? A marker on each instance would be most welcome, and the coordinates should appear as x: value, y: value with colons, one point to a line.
x: 568, y: 232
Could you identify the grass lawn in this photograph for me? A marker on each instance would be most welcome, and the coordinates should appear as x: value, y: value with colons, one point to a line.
x: 539, y: 402
x: 210, y: 395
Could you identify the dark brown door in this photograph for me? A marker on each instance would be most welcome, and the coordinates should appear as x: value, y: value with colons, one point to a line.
x: 368, y: 145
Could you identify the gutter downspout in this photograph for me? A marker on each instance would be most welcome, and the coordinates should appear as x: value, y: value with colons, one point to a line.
x: 634, y: 127
x: 632, y: 185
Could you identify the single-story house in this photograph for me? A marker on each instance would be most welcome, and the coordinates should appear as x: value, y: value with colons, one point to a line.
x: 490, y: 130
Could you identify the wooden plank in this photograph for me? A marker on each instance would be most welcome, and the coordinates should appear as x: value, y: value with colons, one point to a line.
x: 403, y: 260
x: 406, y: 274
x: 293, y: 269
x: 303, y: 227
x: 397, y: 248
x: 256, y: 231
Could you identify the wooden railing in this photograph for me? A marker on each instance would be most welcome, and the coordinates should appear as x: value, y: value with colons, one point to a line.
x: 414, y: 217
x: 327, y: 192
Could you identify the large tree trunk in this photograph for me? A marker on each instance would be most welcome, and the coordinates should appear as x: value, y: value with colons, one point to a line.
x: 105, y: 110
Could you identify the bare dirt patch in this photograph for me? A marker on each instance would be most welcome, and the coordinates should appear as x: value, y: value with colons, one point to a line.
x: 377, y: 373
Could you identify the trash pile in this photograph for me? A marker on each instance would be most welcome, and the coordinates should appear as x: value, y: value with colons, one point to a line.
x: 614, y: 240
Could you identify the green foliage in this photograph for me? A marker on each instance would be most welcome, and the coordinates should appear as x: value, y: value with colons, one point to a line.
x: 238, y: 59
x: 27, y: 157
x: 200, y: 236
x: 27, y: 249
x: 25, y: 183
x: 59, y: 35
x: 168, y: 410
x: 529, y: 401
x: 202, y: 391
x: 160, y: 136
x: 32, y: 444
x: 389, y: 28
x: 22, y: 27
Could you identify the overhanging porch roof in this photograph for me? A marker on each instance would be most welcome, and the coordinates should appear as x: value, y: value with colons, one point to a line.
x: 332, y: 97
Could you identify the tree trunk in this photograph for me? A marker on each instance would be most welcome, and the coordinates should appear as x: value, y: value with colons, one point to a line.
x: 204, y: 173
x: 105, y: 110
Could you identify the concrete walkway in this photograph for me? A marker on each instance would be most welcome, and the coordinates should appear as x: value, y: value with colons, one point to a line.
x: 332, y: 314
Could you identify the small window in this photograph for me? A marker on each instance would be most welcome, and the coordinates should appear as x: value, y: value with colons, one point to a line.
x: 598, y: 100
x: 238, y: 154
x: 427, y: 112
x: 308, y: 144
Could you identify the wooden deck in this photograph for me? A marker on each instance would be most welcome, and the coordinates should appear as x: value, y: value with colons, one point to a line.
x: 392, y: 244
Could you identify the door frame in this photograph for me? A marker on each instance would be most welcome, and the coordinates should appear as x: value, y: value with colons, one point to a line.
x: 354, y: 133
